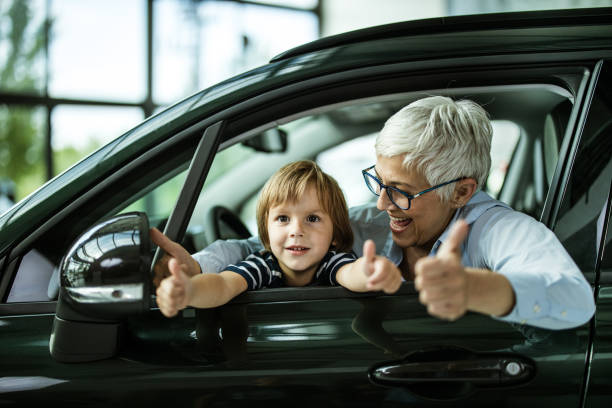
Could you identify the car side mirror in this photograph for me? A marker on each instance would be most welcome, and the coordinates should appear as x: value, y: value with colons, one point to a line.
x: 104, y: 277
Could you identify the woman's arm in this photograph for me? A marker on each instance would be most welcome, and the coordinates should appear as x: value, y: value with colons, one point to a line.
x: 550, y: 290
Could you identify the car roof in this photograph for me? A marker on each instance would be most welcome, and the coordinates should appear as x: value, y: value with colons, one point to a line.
x: 581, y: 17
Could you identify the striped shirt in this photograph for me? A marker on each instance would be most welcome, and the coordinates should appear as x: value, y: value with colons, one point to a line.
x: 261, y: 269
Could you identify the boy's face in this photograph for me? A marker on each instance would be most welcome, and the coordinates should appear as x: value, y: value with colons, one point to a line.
x: 300, y: 235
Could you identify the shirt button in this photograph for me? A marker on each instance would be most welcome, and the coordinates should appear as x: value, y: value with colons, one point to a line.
x: 536, y: 308
x: 564, y: 313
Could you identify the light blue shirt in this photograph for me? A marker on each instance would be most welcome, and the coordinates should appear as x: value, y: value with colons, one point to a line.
x: 550, y: 290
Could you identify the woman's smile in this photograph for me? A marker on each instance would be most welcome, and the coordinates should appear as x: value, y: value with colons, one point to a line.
x: 399, y: 224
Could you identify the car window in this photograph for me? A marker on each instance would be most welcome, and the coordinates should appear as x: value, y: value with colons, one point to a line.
x: 345, y: 162
x: 524, y: 154
x: 605, y: 242
x: 159, y: 202
x: 336, y: 136
x: 37, y: 275
x: 503, y: 144
x: 580, y: 218
x: 605, y: 267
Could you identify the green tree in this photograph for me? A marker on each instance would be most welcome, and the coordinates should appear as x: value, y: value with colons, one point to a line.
x: 22, y: 128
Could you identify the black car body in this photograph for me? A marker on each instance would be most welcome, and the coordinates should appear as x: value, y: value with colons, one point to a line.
x: 547, y: 73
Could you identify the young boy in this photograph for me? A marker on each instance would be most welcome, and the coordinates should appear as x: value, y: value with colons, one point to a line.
x: 303, y: 224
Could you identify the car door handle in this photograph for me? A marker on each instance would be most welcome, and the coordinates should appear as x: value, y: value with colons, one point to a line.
x: 489, y: 370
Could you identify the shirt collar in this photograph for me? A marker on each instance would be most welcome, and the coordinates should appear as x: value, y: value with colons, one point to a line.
x: 478, y: 204
x: 475, y: 207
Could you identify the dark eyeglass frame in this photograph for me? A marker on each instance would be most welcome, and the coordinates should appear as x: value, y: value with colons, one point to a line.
x: 410, y: 197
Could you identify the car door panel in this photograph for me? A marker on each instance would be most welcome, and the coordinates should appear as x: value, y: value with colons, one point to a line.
x: 330, y: 346
x: 320, y: 349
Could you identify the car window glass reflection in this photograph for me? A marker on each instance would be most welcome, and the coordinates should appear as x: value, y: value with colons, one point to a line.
x: 37, y: 277
x: 578, y: 224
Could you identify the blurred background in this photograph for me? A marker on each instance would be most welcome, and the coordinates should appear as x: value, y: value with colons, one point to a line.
x: 75, y: 74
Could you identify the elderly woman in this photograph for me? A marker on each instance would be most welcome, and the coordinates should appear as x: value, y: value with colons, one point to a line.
x: 464, y: 250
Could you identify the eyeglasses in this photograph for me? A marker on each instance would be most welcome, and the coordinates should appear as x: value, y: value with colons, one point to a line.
x: 398, y: 197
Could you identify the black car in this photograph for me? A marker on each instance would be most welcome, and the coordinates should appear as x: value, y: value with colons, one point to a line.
x: 195, y: 170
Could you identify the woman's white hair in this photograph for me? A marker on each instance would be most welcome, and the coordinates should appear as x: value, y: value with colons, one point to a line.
x: 442, y: 139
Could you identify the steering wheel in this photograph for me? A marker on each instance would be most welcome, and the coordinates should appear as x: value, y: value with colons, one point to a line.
x: 221, y: 223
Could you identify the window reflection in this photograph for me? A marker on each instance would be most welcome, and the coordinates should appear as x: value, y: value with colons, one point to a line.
x: 579, y: 224
x: 105, y: 250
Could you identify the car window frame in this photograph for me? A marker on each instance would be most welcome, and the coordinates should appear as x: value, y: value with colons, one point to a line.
x: 289, y: 294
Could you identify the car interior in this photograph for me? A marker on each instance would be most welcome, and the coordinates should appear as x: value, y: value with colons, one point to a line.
x: 529, y: 123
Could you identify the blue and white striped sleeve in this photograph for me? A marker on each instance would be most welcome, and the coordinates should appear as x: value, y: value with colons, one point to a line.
x: 330, y: 265
x: 254, y: 270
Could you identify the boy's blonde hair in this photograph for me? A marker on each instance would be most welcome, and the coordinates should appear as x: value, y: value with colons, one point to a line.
x: 289, y: 184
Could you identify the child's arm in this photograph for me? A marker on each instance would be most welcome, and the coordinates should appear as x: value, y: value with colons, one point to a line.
x: 178, y: 291
x: 370, y: 272
x: 172, y: 250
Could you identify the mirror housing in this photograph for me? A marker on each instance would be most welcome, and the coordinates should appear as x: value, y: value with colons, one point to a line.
x: 270, y: 141
x: 104, y: 277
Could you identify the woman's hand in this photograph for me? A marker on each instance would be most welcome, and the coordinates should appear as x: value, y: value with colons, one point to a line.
x: 174, y: 292
x: 172, y: 250
x: 449, y: 290
x: 442, y: 280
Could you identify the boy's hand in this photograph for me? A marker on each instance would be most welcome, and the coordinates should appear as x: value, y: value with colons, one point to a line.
x: 172, y: 250
x: 381, y: 272
x: 174, y: 292
x: 442, y: 280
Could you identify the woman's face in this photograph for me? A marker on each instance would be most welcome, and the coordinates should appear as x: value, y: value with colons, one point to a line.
x: 427, y: 217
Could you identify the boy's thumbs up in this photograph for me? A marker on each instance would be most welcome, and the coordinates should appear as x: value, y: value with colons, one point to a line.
x: 174, y: 267
x: 369, y: 253
x: 381, y: 273
x: 174, y: 292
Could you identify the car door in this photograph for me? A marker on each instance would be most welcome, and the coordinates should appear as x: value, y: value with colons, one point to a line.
x: 583, y: 225
x: 329, y: 346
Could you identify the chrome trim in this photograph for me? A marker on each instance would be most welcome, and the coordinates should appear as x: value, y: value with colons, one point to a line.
x: 107, y: 294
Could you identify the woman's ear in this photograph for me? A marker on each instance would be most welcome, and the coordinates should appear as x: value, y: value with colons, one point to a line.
x: 464, y: 190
